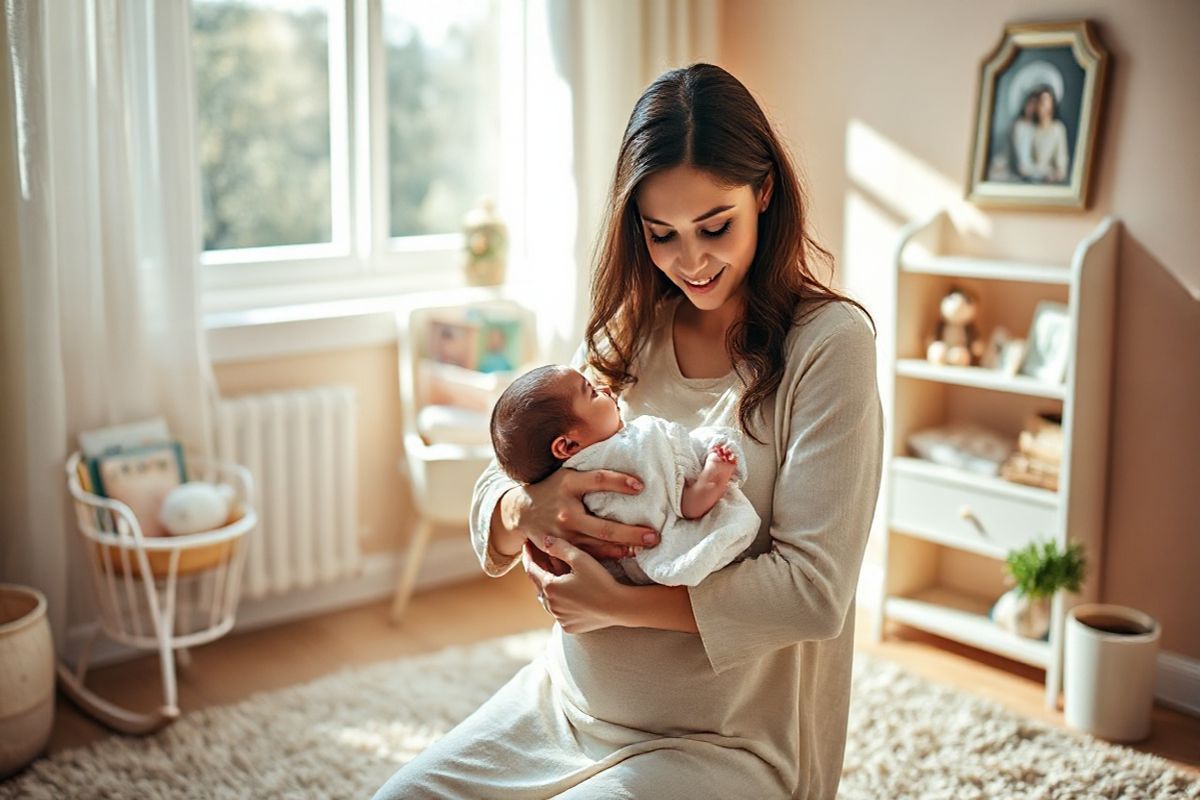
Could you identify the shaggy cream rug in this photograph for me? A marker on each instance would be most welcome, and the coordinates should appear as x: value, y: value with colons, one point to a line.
x: 344, y: 734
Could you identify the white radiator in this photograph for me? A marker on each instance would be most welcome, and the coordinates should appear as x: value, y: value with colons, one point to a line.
x: 301, y: 447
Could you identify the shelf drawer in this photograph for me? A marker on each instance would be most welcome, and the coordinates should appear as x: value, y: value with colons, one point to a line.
x: 968, y: 516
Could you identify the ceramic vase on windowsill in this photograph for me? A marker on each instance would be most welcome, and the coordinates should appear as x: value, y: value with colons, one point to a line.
x: 486, y: 239
x: 1039, y: 571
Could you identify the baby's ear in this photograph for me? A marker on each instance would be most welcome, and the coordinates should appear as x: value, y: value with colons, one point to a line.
x: 563, y: 448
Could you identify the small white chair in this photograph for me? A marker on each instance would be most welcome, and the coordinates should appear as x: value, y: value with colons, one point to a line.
x: 445, y: 449
x: 160, y: 593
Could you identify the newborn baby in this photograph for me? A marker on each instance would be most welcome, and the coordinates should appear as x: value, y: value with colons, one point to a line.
x: 554, y: 417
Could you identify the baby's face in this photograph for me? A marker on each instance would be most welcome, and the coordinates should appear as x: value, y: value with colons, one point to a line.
x: 596, y: 409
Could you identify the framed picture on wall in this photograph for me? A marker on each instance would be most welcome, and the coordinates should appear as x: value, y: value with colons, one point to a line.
x: 1037, y: 116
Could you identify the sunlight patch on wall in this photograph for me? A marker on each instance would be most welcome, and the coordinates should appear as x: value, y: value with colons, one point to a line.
x: 905, y: 185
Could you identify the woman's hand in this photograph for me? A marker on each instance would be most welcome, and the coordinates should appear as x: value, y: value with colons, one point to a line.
x: 584, y: 597
x: 555, y: 507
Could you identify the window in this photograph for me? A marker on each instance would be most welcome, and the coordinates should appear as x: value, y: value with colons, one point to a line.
x: 264, y: 123
x: 344, y: 140
x: 442, y: 112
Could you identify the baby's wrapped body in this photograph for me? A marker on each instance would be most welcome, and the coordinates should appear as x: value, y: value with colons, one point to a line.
x: 665, y: 456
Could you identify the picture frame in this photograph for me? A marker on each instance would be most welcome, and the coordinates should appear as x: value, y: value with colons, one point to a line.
x: 1048, y: 345
x: 483, y: 342
x: 451, y: 341
x: 1037, y: 116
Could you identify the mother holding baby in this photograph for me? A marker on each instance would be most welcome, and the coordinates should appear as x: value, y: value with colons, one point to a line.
x: 706, y: 310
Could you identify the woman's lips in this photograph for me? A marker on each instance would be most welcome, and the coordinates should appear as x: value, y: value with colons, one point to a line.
x: 704, y: 287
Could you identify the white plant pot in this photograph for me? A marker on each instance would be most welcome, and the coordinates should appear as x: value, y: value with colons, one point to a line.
x: 1109, y: 668
x: 1024, y: 616
x: 26, y: 677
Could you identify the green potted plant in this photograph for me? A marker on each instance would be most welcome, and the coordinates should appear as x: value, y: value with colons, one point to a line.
x: 1039, y: 570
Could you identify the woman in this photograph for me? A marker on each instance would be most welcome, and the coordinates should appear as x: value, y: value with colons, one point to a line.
x: 1041, y: 144
x: 705, y: 310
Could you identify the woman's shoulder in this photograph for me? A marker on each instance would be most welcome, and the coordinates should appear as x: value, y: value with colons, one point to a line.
x: 838, y: 323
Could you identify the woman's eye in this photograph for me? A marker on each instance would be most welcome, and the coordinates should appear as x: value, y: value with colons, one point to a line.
x: 713, y: 234
x: 719, y: 231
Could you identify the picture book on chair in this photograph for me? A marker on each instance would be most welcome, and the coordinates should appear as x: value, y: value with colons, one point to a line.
x: 482, y: 342
x: 140, y: 478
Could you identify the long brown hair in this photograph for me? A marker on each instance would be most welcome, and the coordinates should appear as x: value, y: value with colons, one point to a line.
x: 704, y: 117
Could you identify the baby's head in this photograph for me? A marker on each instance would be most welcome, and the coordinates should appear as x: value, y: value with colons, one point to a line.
x: 546, y: 416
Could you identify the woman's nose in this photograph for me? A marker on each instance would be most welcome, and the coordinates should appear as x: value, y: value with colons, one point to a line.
x: 691, y: 260
x: 604, y: 390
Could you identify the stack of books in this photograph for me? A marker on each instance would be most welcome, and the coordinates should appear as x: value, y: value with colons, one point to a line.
x: 1038, y: 457
x: 137, y: 463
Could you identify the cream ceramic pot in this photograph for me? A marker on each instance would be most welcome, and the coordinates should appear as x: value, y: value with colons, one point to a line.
x: 26, y: 677
x: 1109, y: 668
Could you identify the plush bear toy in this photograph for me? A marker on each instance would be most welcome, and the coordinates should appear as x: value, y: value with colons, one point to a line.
x: 955, y: 340
x: 194, y: 507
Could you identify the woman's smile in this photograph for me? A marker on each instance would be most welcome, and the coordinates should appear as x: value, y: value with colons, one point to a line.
x: 704, y: 284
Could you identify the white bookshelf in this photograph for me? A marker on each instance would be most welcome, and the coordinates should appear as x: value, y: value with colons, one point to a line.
x: 949, y: 530
x: 979, y: 377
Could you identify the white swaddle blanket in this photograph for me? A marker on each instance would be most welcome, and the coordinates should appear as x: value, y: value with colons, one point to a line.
x: 663, y: 454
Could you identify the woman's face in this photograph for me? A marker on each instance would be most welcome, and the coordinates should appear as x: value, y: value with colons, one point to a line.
x: 1045, y: 106
x: 700, y: 234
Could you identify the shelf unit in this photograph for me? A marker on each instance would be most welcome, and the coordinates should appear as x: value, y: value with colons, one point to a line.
x: 948, y: 530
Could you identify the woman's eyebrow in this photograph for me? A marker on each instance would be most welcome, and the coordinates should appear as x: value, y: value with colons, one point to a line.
x: 700, y: 218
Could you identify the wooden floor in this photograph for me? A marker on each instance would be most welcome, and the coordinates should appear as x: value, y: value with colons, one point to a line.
x: 238, y: 665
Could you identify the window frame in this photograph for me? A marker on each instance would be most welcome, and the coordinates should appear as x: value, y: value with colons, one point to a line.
x: 363, y: 259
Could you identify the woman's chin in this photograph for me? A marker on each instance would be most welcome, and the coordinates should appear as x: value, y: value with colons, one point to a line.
x: 709, y: 301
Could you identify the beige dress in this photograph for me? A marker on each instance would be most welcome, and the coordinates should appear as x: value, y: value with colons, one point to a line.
x: 756, y: 705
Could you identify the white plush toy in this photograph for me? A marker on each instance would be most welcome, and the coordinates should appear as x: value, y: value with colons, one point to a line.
x: 194, y: 507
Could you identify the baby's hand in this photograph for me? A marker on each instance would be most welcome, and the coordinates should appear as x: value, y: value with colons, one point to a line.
x: 723, y: 453
x: 721, y: 462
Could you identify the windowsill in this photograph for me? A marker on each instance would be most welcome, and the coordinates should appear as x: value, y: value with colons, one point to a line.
x: 318, y: 318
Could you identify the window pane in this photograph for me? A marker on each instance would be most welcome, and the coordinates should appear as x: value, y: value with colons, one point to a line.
x: 443, y: 111
x: 262, y: 91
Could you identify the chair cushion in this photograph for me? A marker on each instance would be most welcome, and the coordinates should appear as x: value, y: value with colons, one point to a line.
x: 453, y: 425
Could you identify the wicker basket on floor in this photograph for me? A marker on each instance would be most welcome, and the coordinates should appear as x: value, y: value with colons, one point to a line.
x: 162, y: 593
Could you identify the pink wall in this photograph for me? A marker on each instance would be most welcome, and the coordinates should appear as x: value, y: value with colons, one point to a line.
x: 878, y: 102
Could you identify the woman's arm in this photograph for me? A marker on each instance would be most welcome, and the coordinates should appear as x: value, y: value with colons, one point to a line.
x: 825, y: 494
x: 667, y: 608
x: 1060, y: 151
x: 505, y: 513
x: 584, y: 597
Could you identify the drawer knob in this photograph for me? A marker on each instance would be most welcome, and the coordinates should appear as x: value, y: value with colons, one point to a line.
x: 966, y: 513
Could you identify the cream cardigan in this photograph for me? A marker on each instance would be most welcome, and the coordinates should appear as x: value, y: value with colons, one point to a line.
x: 769, y: 673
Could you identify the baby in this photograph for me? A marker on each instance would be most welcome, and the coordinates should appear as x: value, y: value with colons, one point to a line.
x: 553, y: 417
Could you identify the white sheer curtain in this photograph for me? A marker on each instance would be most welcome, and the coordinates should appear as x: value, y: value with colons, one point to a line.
x: 101, y: 309
x: 587, y: 64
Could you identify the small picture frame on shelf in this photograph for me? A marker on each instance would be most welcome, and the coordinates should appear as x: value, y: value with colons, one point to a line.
x: 1039, y: 109
x: 1048, y: 344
